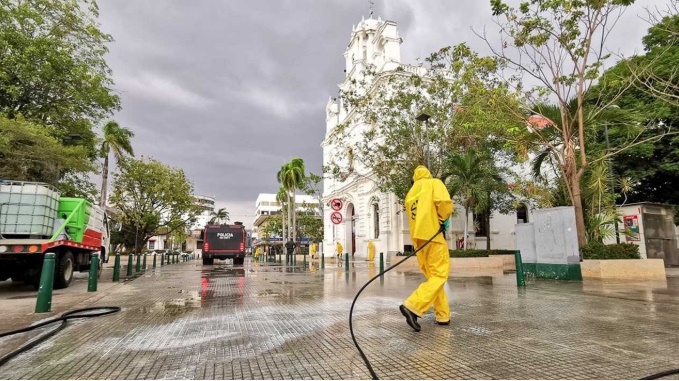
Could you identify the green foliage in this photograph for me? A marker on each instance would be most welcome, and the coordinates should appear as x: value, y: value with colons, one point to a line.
x: 219, y: 217
x: 152, y: 198
x: 52, y: 67
x: 292, y: 177
x: 119, y: 141
x: 78, y: 185
x: 561, y: 44
x: 29, y: 152
x: 309, y: 224
x: 468, y: 106
x: 597, y: 250
x: 473, y: 253
x: 648, y: 171
x: 273, y: 227
x: 469, y: 253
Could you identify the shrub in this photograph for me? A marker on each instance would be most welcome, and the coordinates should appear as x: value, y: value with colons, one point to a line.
x: 502, y: 252
x: 468, y: 253
x: 596, y: 250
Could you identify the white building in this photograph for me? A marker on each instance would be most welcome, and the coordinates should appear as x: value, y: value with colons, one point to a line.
x: 369, y: 214
x: 266, y: 206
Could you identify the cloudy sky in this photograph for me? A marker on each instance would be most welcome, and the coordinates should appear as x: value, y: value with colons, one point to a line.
x: 231, y: 90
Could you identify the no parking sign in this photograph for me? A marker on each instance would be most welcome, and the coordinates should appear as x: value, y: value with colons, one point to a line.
x: 336, y: 218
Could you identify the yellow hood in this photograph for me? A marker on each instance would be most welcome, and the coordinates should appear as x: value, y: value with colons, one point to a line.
x: 421, y: 172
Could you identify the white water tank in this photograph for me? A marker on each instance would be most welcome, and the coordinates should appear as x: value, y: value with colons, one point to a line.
x: 27, y: 209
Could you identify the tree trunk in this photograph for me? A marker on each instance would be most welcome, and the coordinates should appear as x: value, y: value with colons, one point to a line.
x: 290, y: 210
x: 294, y: 217
x: 579, y: 212
x: 466, y: 227
x: 104, y: 183
x: 488, y: 230
x: 283, y: 216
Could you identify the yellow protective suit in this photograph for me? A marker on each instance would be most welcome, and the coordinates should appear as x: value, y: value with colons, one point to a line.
x: 339, y: 249
x: 371, y: 251
x: 312, y: 250
x: 258, y: 253
x: 428, y: 204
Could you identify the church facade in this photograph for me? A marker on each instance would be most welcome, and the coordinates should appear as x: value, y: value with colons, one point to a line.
x: 367, y: 214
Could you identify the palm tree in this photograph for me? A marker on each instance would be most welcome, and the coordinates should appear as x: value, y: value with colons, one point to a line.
x: 220, y: 215
x: 470, y: 176
x: 291, y: 177
x: 117, y: 140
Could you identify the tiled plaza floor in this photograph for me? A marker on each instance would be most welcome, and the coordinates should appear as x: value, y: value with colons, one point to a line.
x: 188, y: 321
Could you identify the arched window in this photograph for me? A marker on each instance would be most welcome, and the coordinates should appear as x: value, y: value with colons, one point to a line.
x: 522, y: 214
x: 376, y: 220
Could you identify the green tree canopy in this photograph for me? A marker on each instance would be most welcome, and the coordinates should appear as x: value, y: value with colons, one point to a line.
x: 116, y: 140
x: 648, y: 171
x: 151, y: 197
x: 29, y: 152
x: 52, y: 67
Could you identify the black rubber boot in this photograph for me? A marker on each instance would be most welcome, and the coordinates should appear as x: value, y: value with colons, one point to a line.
x: 411, y: 318
x: 443, y: 322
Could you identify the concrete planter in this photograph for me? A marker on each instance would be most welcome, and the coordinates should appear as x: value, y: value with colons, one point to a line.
x: 456, y: 264
x: 632, y: 269
x: 507, y: 262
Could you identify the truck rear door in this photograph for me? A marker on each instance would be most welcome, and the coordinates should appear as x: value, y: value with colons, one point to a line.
x: 224, y: 238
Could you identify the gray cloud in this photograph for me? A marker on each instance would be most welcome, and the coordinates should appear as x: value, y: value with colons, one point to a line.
x: 230, y: 90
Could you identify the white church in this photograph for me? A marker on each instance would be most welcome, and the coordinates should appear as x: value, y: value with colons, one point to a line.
x: 371, y: 215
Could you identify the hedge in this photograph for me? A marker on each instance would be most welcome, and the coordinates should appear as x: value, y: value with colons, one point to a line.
x: 475, y: 253
x: 596, y: 250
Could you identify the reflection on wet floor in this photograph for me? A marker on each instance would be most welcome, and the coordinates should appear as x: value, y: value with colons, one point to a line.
x: 271, y: 321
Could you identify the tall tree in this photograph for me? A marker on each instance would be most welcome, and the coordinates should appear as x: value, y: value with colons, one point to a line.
x: 220, y: 216
x: 562, y: 45
x: 117, y: 140
x: 52, y: 66
x: 649, y: 170
x: 473, y: 178
x: 151, y: 197
x: 291, y: 176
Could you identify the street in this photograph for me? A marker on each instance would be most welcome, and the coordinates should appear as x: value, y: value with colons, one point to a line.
x: 189, y: 321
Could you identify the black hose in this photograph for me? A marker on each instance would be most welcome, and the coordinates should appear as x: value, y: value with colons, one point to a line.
x: 75, y: 314
x: 661, y: 374
x: 351, y: 311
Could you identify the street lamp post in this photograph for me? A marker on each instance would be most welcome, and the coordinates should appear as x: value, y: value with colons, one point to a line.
x: 423, y: 117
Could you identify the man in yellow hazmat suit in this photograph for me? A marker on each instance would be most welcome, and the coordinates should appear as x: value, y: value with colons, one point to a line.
x: 428, y: 206
x: 371, y: 251
x: 339, y: 250
x: 312, y: 250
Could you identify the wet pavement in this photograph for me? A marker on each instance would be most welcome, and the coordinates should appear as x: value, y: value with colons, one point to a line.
x: 188, y: 321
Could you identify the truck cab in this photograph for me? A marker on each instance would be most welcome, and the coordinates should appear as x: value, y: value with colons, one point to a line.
x: 224, y: 242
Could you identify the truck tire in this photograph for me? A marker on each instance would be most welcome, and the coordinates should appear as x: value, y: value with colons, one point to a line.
x: 238, y: 261
x: 208, y: 261
x: 64, y: 271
